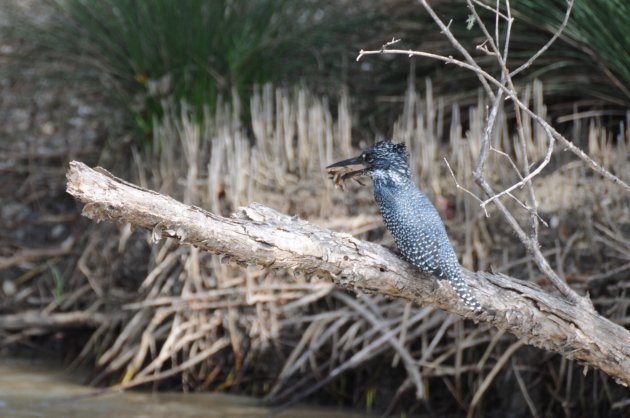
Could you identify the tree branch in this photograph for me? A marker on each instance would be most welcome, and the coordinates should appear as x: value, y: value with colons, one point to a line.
x: 259, y: 235
x: 506, y: 86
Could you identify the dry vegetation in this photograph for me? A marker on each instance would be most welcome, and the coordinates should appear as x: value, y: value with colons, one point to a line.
x: 173, y: 316
x: 216, y: 325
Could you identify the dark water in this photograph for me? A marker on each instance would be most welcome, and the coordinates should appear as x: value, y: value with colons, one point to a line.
x: 30, y: 388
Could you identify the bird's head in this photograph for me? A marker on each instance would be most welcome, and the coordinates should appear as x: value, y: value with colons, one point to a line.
x: 383, y: 160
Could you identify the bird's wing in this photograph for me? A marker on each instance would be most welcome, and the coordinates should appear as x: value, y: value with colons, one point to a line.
x: 420, y: 245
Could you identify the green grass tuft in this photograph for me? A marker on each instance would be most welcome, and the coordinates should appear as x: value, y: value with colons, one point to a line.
x: 196, y: 50
x: 597, y: 33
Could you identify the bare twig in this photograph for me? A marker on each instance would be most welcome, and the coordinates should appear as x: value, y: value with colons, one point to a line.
x: 502, y: 61
x: 555, y: 36
x: 446, y: 31
x: 496, y: 11
x: 410, y: 364
x: 217, y: 346
x: 412, y: 53
x: 531, y: 244
x: 527, y: 179
x: 30, y: 255
x: 33, y: 319
x: 507, y: 355
x: 450, y: 170
x: 524, y: 391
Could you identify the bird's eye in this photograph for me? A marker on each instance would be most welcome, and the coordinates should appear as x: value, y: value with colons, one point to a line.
x: 368, y: 158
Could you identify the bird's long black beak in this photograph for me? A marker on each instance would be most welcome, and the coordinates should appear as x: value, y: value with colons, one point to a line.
x: 344, y: 163
x: 348, y: 175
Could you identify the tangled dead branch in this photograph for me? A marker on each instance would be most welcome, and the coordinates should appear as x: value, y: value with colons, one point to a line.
x: 261, y: 236
x: 506, y: 87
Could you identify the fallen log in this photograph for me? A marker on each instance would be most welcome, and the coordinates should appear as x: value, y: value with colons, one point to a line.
x: 259, y: 235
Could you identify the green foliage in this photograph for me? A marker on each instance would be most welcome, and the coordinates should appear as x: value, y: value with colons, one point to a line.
x: 370, y: 396
x: 596, y: 42
x: 588, y: 65
x: 58, y: 280
x: 195, y: 50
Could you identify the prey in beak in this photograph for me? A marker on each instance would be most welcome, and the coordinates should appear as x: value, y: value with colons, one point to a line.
x: 339, y: 171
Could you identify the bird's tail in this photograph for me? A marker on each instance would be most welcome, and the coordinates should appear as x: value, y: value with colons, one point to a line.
x: 462, y: 289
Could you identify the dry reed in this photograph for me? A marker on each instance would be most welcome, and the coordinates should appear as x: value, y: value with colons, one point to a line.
x: 214, y: 324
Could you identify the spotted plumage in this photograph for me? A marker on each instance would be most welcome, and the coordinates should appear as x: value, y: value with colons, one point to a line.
x: 413, y: 221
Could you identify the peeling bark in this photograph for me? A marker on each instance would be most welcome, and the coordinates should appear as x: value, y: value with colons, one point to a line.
x: 259, y: 235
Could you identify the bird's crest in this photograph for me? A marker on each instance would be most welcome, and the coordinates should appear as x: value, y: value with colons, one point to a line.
x: 387, y: 156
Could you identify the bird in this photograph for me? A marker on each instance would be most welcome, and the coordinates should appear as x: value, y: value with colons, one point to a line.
x: 408, y: 214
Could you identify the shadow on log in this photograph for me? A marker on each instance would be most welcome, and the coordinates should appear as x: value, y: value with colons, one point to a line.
x: 259, y: 235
